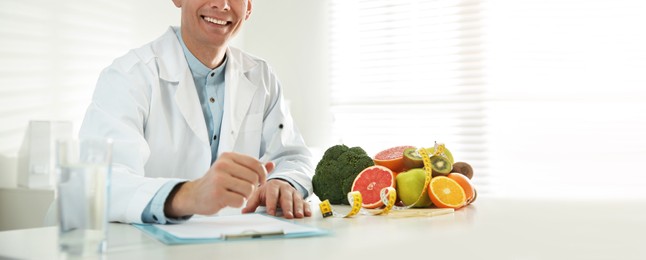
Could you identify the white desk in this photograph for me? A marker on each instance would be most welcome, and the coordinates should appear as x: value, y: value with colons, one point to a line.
x: 490, y: 229
x: 23, y: 208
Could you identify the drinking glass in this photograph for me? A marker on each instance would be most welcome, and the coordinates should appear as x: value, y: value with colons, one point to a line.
x: 82, y: 192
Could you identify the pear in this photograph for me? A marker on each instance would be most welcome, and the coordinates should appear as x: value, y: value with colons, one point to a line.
x: 410, y: 184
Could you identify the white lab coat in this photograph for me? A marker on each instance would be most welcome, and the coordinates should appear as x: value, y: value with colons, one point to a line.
x: 147, y: 102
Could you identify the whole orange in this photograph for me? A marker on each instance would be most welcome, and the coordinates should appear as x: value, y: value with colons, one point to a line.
x: 465, y: 183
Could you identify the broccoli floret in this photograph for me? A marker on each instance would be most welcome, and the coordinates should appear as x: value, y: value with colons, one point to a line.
x: 337, y: 170
x: 358, y: 150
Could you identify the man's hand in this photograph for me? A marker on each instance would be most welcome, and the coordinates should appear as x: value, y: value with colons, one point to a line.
x: 278, y: 193
x: 230, y: 180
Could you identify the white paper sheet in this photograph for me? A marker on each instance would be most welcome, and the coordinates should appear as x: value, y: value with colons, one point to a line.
x: 218, y: 226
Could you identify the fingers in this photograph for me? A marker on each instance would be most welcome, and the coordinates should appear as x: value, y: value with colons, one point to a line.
x: 230, y: 199
x: 241, y: 187
x: 272, y: 192
x: 281, y: 194
x: 306, y: 209
x: 270, y: 166
x: 230, y: 180
x: 297, y: 206
x: 253, y: 203
x: 251, y: 164
x: 242, y: 165
x: 287, y: 203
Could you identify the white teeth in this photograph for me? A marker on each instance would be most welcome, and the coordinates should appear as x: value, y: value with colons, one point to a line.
x: 215, y: 21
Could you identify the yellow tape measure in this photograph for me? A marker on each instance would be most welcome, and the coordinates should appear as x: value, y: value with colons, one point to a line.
x: 439, y: 149
x: 355, y: 200
x: 389, y: 198
x: 427, y: 178
x: 387, y: 195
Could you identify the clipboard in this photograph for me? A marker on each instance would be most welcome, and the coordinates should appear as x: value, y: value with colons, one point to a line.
x: 227, y: 228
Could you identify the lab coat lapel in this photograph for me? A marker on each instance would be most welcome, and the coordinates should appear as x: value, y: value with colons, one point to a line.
x: 173, y: 68
x: 239, y: 93
x: 189, y: 105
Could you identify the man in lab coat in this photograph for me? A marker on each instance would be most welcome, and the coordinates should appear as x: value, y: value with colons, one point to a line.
x: 192, y: 118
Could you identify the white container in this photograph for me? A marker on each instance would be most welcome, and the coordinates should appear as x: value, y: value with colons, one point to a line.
x: 36, y: 155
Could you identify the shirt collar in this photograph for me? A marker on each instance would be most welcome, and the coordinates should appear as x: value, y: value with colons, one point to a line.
x: 198, y: 69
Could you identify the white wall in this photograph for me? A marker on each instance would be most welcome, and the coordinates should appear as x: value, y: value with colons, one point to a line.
x: 152, y: 18
x: 51, y: 54
x: 292, y: 36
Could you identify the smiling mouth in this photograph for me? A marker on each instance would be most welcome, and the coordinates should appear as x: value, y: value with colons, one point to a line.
x: 215, y: 21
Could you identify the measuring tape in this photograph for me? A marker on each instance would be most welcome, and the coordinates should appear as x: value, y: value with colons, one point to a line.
x: 427, y: 177
x: 355, y: 200
x: 387, y: 195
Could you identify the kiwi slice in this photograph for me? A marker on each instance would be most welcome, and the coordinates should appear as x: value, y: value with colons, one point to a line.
x: 447, y: 153
x: 412, y: 159
x: 463, y: 168
x: 440, y: 165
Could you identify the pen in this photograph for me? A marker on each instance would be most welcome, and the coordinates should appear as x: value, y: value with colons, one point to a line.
x: 253, y: 235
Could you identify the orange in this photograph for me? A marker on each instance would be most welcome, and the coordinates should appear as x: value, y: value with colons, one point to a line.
x: 446, y: 193
x: 392, y: 158
x: 465, y: 183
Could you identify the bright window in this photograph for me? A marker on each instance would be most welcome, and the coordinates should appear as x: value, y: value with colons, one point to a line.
x: 543, y: 98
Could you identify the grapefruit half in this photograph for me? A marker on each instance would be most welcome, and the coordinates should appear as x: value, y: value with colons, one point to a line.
x: 392, y: 158
x: 370, y: 182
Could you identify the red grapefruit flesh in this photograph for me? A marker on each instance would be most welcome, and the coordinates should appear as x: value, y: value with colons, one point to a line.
x: 370, y: 182
x: 392, y: 158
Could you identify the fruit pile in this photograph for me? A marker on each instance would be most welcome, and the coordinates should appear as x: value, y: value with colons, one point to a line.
x: 403, y: 168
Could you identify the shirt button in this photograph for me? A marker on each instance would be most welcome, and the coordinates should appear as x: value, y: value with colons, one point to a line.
x: 212, y: 74
x: 215, y: 137
x: 212, y: 100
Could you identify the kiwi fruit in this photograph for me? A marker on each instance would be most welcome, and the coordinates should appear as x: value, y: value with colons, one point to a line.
x: 446, y: 153
x: 463, y: 168
x: 412, y: 159
x: 440, y: 165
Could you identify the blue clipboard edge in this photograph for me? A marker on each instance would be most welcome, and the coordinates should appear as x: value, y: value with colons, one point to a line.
x: 170, y: 239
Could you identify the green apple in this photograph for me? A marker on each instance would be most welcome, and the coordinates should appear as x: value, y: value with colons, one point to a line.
x: 410, y: 184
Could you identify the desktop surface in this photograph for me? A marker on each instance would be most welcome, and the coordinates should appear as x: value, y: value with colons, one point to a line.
x: 491, y: 228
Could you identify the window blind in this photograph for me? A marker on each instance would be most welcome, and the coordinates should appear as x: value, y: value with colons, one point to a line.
x: 409, y: 72
x: 543, y: 98
x: 51, y: 54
